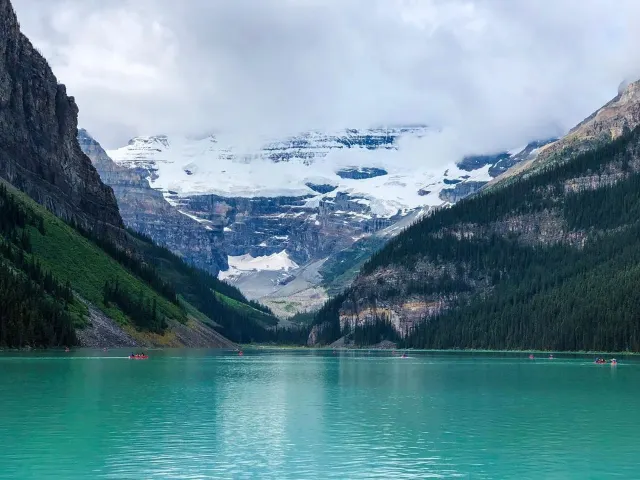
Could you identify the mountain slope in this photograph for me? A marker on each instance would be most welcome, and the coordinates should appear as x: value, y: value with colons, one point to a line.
x: 69, y: 271
x: 145, y: 210
x: 546, y: 260
x: 42, y: 241
x: 326, y: 201
x: 38, y: 150
x: 82, y: 264
x: 619, y: 115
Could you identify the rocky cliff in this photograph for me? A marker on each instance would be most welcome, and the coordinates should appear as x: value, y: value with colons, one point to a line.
x: 607, y: 123
x: 146, y: 211
x: 621, y: 114
x: 262, y: 226
x: 55, y: 280
x: 39, y: 152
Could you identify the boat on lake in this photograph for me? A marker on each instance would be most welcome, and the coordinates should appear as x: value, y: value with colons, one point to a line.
x: 138, y: 356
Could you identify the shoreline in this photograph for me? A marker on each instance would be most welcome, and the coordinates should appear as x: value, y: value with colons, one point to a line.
x: 451, y: 350
x: 258, y: 347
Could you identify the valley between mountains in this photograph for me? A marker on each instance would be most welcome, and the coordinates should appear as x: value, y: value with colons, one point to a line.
x: 291, y: 223
x: 352, y: 238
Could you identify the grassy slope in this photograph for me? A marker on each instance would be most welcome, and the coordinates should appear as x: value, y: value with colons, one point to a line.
x: 71, y: 257
x: 248, y: 310
x: 184, y: 279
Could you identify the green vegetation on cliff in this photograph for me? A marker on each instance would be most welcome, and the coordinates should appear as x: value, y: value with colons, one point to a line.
x: 35, y: 306
x: 236, y: 318
x: 573, y: 287
x: 44, y: 258
x: 340, y: 270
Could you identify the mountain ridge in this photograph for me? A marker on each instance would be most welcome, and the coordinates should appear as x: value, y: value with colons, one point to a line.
x: 69, y: 270
x: 140, y: 205
x: 490, y: 271
x: 620, y: 114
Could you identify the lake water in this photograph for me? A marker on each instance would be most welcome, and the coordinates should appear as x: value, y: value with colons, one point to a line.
x: 316, y: 415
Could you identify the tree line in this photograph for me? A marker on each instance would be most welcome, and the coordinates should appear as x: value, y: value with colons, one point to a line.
x: 34, y: 304
x: 132, y: 262
x: 141, y: 309
x: 553, y: 296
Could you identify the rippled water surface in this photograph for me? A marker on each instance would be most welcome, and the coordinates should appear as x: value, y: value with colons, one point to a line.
x: 303, y: 415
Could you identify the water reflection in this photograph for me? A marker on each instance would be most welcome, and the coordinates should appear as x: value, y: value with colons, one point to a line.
x: 315, y: 415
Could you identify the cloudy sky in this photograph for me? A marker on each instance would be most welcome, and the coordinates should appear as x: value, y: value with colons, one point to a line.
x: 495, y: 72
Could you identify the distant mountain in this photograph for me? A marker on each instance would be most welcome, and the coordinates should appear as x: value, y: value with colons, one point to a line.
x: 363, y: 164
x: 146, y: 211
x: 308, y: 197
x: 544, y: 258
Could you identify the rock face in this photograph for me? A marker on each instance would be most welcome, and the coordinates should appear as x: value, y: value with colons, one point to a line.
x: 313, y: 195
x: 460, y: 191
x: 39, y: 153
x: 146, y: 211
x: 620, y: 114
x: 266, y: 225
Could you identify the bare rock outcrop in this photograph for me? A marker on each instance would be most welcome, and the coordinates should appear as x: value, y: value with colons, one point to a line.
x: 605, y: 124
x: 39, y: 153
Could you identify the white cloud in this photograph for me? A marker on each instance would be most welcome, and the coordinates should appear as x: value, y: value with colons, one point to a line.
x: 494, y: 72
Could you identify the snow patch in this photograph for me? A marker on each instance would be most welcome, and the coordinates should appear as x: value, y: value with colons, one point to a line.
x: 193, y: 217
x: 515, y: 151
x: 247, y: 263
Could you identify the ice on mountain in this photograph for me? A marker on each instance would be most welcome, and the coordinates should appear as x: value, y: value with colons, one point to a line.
x: 246, y: 263
x: 367, y: 164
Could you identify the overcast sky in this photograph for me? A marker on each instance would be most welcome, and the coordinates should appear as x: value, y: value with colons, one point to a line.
x: 495, y: 72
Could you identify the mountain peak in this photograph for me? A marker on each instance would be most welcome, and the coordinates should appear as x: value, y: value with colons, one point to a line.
x: 150, y: 140
x: 367, y: 164
x: 609, y: 122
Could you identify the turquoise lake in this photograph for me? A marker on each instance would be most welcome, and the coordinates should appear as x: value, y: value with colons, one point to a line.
x: 196, y: 414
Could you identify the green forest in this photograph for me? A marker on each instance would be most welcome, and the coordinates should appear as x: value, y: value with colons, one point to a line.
x: 557, y: 296
x: 35, y: 305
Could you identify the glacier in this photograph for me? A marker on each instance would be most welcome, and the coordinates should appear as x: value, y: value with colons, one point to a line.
x: 287, y: 206
x: 182, y: 167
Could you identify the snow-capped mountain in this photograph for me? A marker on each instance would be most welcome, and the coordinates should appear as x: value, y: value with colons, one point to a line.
x: 146, y: 211
x: 299, y: 201
x: 364, y: 164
